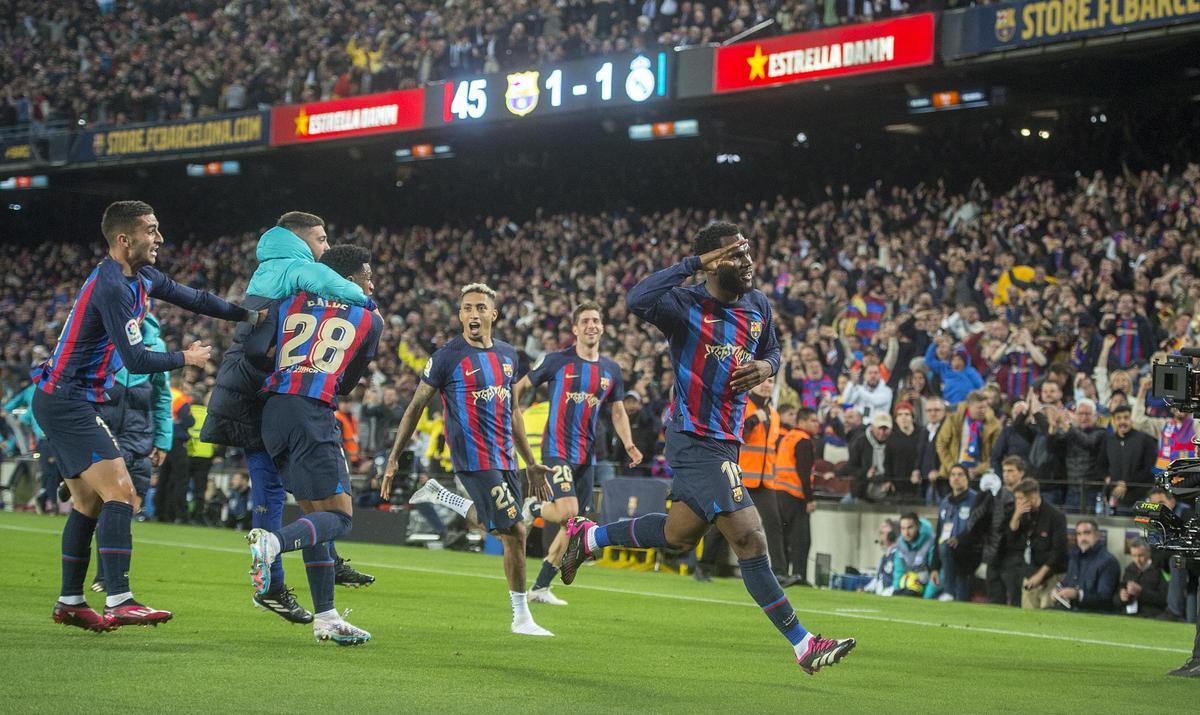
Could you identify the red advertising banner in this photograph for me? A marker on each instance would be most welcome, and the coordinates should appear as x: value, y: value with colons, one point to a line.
x: 833, y: 52
x: 349, y: 117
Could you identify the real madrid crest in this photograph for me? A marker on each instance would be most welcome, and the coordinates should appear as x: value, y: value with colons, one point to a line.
x: 521, y: 97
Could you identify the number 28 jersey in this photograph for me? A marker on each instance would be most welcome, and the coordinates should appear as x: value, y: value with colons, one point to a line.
x: 321, y: 345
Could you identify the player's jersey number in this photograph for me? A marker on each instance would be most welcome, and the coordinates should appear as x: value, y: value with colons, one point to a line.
x: 563, y: 475
x: 334, y: 336
x: 503, y: 496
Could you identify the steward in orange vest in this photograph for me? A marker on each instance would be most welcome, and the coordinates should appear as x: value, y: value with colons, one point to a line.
x: 787, y: 479
x: 760, y: 432
x: 795, y: 454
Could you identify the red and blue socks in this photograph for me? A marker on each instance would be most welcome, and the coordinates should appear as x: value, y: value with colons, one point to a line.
x: 319, y: 565
x: 765, y: 589
x: 315, y: 528
x: 545, y: 576
x: 645, y: 532
x: 115, y: 539
x: 76, y: 556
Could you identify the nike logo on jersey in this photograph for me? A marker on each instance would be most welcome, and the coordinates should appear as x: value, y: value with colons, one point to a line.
x: 568, y: 376
x: 472, y: 372
x: 708, y: 321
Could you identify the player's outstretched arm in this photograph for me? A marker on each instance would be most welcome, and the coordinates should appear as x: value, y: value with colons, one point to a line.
x: 117, y: 310
x: 620, y: 420
x: 197, y: 301
x: 404, y: 433
x: 538, y: 472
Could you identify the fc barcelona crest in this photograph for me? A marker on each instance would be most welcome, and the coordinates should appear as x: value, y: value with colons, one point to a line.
x: 605, y: 383
x: 737, y: 494
x: 521, y: 97
x: 1006, y: 24
x: 507, y: 369
x: 755, y: 329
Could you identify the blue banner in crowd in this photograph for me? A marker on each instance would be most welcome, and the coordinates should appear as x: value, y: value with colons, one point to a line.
x: 192, y: 136
x: 1006, y: 26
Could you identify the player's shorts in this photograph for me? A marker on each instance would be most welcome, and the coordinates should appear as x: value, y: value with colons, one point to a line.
x: 707, y: 476
x: 78, y: 434
x: 304, y: 440
x: 572, y: 480
x: 497, y: 495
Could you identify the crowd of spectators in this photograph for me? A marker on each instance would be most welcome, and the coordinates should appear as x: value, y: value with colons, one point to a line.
x: 981, y: 325
x: 152, y: 60
x: 943, y: 339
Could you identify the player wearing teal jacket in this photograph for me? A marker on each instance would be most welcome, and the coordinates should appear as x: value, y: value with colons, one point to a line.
x: 286, y: 265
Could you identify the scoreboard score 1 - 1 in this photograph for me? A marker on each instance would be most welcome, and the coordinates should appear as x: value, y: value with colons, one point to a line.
x: 593, y: 83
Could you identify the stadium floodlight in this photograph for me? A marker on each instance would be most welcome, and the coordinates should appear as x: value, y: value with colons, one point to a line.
x: 1025, y: 131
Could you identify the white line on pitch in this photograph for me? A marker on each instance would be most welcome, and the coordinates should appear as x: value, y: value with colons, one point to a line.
x: 679, y: 597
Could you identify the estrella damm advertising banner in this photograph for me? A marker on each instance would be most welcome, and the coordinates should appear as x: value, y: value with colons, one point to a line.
x: 381, y: 113
x: 821, y: 54
x: 189, y: 136
x: 1006, y: 26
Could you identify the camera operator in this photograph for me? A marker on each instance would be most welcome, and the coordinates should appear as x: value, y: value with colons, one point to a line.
x: 1178, y: 382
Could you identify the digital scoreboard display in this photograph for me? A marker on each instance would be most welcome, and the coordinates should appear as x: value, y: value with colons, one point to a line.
x: 593, y: 83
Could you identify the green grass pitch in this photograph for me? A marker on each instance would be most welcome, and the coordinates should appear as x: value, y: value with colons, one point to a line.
x: 628, y: 642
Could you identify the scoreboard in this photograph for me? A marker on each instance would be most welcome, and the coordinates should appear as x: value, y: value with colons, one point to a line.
x: 592, y: 83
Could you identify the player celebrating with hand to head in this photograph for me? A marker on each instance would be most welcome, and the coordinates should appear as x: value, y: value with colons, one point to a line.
x: 475, y: 374
x: 722, y: 343
x: 581, y: 380
x: 102, y: 334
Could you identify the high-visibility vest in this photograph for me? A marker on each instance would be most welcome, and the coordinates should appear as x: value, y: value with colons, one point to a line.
x: 179, y: 400
x: 349, y: 426
x: 757, y: 457
x: 536, y: 417
x: 196, y: 447
x: 787, y: 479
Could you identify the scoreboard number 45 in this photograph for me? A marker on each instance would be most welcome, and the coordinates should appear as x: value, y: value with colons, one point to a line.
x: 470, y: 99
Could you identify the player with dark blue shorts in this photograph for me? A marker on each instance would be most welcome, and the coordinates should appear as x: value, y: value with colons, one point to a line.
x: 722, y: 343
x: 316, y: 349
x: 475, y: 376
x: 102, y: 334
x: 581, y: 382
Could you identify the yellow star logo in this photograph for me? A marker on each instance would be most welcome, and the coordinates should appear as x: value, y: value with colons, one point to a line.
x: 758, y: 64
x: 302, y: 123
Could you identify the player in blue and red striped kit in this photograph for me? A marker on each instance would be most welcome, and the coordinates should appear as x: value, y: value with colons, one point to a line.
x: 581, y: 380
x: 474, y: 374
x: 316, y: 349
x: 102, y: 334
x: 722, y: 343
